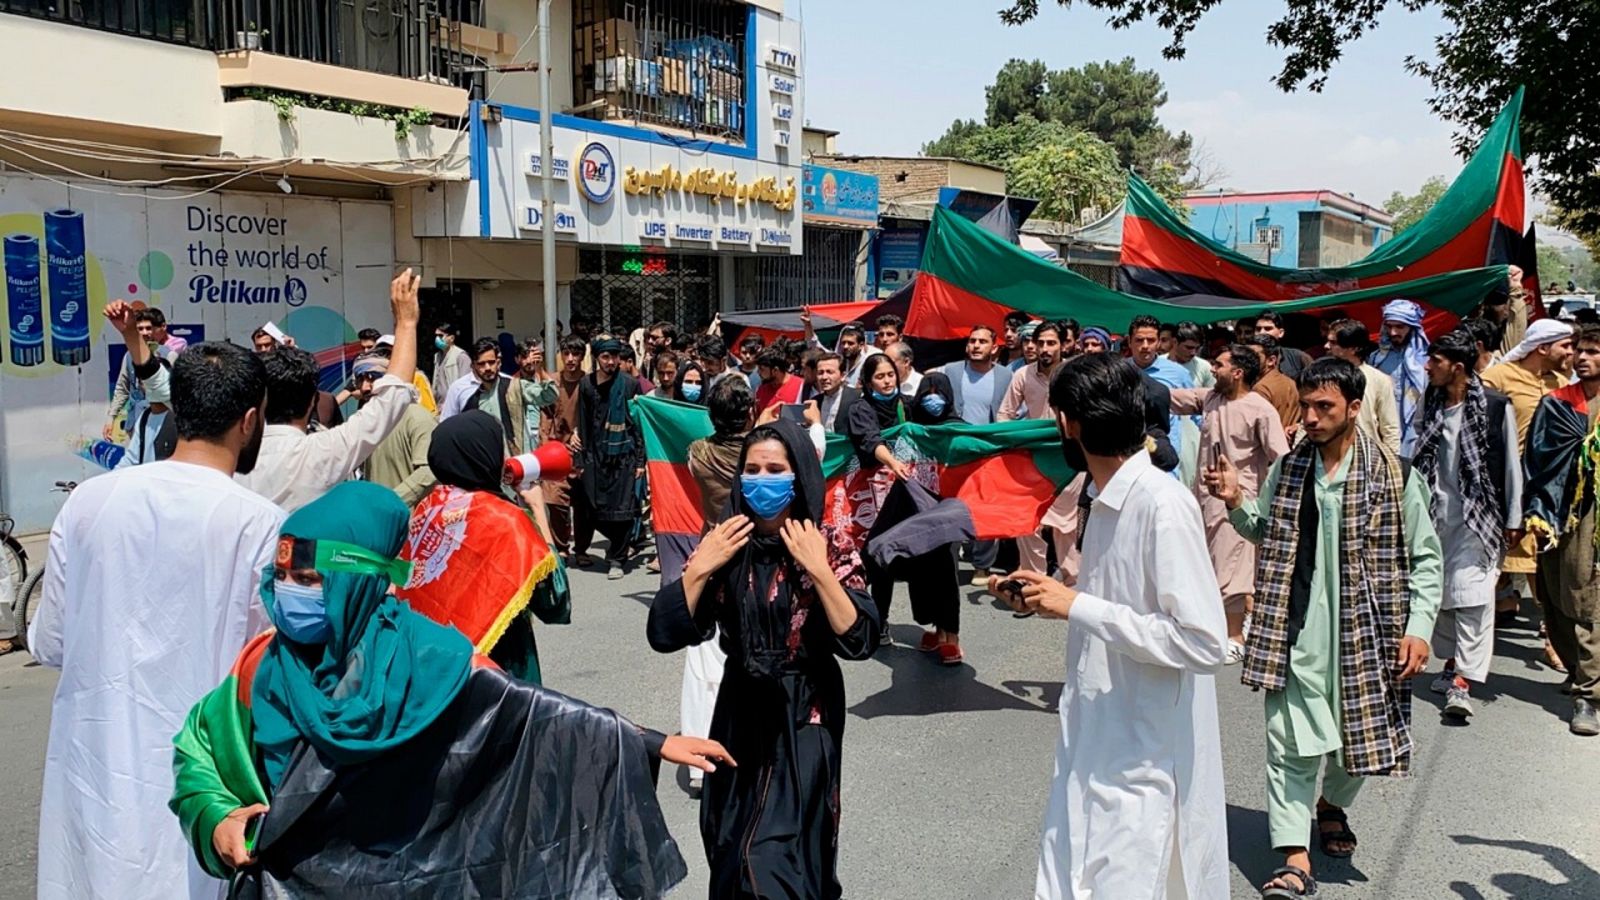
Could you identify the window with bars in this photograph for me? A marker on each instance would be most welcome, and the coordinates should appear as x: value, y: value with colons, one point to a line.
x: 673, y: 63
x: 626, y: 288
x: 824, y: 273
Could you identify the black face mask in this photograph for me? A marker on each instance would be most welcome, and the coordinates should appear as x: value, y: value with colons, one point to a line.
x: 1072, y: 452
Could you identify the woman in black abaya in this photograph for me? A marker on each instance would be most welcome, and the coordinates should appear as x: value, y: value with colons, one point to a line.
x: 788, y: 598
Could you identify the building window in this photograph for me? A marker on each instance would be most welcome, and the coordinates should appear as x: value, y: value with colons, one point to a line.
x: 1270, y: 235
x: 677, y: 64
x: 624, y: 288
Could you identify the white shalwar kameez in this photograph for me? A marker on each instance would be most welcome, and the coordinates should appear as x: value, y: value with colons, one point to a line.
x: 150, y: 591
x: 1136, y: 808
x: 1464, y: 630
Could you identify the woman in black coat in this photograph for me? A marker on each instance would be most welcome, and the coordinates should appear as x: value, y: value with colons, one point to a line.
x: 788, y: 597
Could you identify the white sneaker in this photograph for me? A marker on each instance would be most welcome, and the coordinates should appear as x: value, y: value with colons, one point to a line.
x: 1444, y: 682
x: 1235, y: 653
x: 1245, y: 628
x: 615, y: 573
x: 980, y: 578
x: 1458, y: 702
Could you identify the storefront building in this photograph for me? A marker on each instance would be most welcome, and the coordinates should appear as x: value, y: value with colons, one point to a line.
x: 652, y: 213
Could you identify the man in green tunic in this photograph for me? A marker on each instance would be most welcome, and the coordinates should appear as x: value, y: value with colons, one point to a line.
x: 1347, y: 587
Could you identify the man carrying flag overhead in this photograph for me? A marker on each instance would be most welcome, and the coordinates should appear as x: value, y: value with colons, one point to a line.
x: 1402, y: 354
x: 1563, y: 448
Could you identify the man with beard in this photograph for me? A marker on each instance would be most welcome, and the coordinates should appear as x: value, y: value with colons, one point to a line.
x: 1560, y: 509
x: 560, y: 423
x: 1144, y: 345
x: 1402, y: 354
x: 141, y: 628
x: 298, y: 466
x: 1347, y: 340
x: 1028, y: 397
x: 400, y: 462
x: 612, y: 457
x: 1467, y: 456
x: 1241, y: 425
x: 854, y: 350
x: 1136, y: 806
x: 1348, y: 579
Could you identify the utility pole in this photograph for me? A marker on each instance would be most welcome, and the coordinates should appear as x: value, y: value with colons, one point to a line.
x: 547, y: 203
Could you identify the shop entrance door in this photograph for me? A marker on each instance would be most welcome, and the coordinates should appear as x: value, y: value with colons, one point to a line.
x: 450, y: 301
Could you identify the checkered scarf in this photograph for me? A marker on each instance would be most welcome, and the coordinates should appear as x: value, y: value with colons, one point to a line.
x: 1373, y: 603
x: 1477, y: 485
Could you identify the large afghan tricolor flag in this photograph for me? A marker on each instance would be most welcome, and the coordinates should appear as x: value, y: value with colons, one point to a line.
x: 971, y: 276
x: 1007, y: 473
x: 1477, y: 222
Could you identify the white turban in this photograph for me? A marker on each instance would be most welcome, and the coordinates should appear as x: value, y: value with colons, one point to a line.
x: 1544, y: 331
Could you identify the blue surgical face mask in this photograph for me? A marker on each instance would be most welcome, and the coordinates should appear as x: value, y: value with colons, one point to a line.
x: 691, y: 392
x: 877, y: 395
x: 438, y: 342
x: 299, y: 612
x: 768, y: 495
x: 934, y: 404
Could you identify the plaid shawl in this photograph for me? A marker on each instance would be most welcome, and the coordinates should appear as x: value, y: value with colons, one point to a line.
x: 1373, y: 603
x: 1484, y: 508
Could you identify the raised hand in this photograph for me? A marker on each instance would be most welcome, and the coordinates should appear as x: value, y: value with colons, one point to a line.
x: 722, y: 542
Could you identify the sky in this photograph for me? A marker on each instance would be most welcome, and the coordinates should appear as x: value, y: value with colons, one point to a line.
x: 892, y: 74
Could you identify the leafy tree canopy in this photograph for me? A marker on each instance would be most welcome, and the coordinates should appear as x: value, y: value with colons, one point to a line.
x: 1408, y: 209
x: 1069, y: 136
x: 1490, y: 47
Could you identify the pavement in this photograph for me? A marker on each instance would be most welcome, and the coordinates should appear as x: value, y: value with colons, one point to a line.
x: 946, y: 769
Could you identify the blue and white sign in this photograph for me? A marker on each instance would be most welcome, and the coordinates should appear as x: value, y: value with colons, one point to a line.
x: 783, y: 84
x: 681, y: 232
x: 561, y: 169
x: 835, y: 195
x: 781, y: 57
x: 596, y: 175
x: 783, y: 113
x: 775, y: 237
x: 741, y: 236
x: 533, y: 219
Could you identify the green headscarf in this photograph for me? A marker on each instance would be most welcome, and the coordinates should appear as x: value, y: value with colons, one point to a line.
x: 386, y: 671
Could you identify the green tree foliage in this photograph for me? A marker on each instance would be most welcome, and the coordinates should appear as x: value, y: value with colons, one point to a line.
x: 1408, y: 209
x: 1490, y: 47
x: 1066, y: 124
x: 1068, y: 176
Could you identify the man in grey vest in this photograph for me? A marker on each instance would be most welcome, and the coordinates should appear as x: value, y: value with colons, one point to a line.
x: 979, y: 384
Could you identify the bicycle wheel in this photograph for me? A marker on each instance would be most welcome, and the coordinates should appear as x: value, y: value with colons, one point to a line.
x: 26, y: 600
x: 13, y: 567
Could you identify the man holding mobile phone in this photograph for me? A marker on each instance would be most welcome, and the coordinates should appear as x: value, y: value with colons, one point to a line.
x: 1239, y: 425
x: 1137, y: 807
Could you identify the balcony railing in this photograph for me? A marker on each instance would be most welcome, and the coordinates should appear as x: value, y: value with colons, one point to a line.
x: 407, y: 38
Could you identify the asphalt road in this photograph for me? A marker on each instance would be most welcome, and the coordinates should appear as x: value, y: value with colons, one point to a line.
x: 946, y: 769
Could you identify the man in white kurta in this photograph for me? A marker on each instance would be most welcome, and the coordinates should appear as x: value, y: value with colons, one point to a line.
x: 1136, y: 806
x: 150, y: 591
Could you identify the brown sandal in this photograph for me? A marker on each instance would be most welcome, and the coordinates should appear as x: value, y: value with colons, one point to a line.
x: 10, y: 645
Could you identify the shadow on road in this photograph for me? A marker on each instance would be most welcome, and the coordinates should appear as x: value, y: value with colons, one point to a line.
x: 1250, y: 851
x: 919, y: 686
x: 1581, y: 880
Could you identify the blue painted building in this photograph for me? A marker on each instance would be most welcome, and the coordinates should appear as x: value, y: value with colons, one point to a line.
x: 1291, y: 229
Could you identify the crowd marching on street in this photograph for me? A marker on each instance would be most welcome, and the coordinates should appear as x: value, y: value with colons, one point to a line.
x: 1327, y: 518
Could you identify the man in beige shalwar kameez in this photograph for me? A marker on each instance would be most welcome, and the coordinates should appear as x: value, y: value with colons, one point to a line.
x: 1245, y: 427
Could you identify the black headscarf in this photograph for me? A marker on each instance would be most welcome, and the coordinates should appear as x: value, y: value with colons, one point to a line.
x: 677, y: 383
x: 934, y: 383
x: 752, y: 574
x: 888, y: 411
x: 469, y: 452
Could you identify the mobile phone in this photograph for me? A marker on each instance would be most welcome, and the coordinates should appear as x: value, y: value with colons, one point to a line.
x: 794, y: 412
x: 1011, y: 589
x: 252, y: 830
x: 1216, y: 455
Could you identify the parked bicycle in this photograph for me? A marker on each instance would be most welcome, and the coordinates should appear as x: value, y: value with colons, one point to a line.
x: 25, y: 595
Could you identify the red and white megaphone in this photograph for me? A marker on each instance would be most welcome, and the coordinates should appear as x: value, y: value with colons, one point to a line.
x: 552, y: 460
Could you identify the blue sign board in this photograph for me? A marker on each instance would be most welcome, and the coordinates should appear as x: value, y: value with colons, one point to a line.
x: 834, y: 195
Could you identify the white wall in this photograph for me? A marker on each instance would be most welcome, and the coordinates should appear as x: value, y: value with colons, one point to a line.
x: 321, y: 272
x: 78, y: 73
